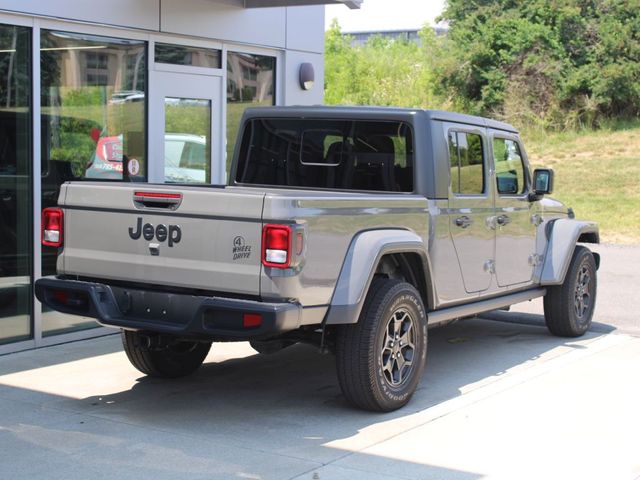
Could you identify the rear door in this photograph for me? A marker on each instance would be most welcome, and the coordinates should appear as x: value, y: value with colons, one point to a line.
x: 194, y: 237
x: 470, y: 206
x: 515, y: 219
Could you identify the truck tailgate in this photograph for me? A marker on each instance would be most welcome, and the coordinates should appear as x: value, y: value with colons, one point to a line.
x: 195, y: 237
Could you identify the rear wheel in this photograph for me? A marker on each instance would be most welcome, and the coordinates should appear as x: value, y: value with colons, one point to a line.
x: 568, y: 308
x: 380, y: 359
x: 175, y: 359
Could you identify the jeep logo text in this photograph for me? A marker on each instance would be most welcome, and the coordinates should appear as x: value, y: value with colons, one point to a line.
x: 172, y: 234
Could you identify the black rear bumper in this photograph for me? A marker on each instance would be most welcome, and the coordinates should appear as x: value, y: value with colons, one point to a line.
x: 169, y: 313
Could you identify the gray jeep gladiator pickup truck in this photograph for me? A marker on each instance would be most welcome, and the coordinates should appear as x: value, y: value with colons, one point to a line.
x: 351, y: 228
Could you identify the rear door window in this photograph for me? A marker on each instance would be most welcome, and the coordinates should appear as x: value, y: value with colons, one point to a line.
x: 331, y: 154
x: 467, y: 163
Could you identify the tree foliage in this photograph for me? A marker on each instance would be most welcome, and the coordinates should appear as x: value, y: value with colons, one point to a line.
x: 382, y: 72
x: 559, y: 62
x: 552, y: 63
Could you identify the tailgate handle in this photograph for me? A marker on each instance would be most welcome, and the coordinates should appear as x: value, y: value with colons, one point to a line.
x: 169, y: 201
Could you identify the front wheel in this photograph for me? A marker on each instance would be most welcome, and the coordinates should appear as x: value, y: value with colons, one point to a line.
x: 381, y: 358
x: 175, y: 359
x: 568, y: 308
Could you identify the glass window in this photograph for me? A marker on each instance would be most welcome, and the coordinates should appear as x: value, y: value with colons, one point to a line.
x: 93, y: 123
x: 187, y: 140
x: 510, y: 176
x: 15, y: 183
x: 190, y: 56
x: 335, y: 154
x: 467, y: 163
x: 250, y: 83
x: 318, y: 147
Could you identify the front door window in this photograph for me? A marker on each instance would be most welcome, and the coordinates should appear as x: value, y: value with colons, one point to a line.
x: 515, y: 230
x: 510, y: 178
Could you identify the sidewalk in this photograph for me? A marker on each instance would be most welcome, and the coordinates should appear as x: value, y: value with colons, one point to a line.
x: 498, y: 400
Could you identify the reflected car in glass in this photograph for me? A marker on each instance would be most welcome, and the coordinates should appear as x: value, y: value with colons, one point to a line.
x: 185, y: 158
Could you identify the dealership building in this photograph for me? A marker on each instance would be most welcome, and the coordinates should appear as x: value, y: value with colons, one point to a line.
x: 129, y: 90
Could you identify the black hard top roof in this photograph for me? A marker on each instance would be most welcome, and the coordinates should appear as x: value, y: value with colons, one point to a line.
x: 362, y: 112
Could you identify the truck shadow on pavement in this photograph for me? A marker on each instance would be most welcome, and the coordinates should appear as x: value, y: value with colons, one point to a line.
x: 296, y: 392
x: 535, y: 319
x: 298, y: 382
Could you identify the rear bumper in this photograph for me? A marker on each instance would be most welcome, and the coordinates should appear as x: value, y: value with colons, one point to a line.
x: 169, y: 313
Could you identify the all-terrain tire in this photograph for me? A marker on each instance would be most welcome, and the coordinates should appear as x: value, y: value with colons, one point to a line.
x: 568, y: 308
x: 376, y: 370
x: 176, y: 360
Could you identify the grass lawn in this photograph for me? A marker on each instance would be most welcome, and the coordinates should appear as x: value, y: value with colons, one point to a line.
x: 598, y: 174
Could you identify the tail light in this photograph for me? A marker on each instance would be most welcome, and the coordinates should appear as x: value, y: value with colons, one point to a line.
x: 52, y: 227
x: 276, y: 246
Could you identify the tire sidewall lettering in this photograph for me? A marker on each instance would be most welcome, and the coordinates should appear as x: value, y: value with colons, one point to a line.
x: 412, y: 303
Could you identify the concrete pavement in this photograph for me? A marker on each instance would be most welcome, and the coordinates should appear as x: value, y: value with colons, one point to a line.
x: 618, y: 303
x: 498, y: 400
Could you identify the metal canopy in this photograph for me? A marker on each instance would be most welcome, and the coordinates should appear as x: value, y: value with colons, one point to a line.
x: 295, y: 3
x: 354, y: 4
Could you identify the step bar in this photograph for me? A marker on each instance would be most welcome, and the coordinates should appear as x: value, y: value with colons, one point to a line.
x: 483, y: 306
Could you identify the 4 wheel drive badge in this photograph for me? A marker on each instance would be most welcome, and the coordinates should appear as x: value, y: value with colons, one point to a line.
x: 240, y: 248
x: 171, y: 234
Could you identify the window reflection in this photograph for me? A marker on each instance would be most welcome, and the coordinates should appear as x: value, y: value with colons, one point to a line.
x: 93, y: 122
x: 250, y: 83
x: 187, y: 140
x: 190, y: 56
x: 15, y: 183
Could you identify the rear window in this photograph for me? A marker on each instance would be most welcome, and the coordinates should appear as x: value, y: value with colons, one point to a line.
x: 332, y: 154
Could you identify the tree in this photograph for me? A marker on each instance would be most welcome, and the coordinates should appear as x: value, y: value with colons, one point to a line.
x: 560, y: 63
x: 381, y: 72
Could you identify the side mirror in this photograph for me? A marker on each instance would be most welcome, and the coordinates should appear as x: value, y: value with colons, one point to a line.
x: 543, y: 181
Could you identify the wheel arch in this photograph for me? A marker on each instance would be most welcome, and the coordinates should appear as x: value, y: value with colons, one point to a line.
x: 562, y: 237
x: 393, y: 253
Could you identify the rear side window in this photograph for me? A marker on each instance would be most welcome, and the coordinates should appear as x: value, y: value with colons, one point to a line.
x: 467, y: 163
x: 333, y: 154
x: 510, y: 175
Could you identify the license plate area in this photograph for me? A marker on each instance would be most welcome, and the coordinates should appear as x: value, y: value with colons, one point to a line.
x: 156, y: 307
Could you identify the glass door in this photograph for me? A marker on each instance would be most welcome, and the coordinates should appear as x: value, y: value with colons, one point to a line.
x: 185, y: 120
x: 15, y: 184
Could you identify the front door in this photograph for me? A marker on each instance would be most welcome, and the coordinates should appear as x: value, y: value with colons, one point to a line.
x: 185, y: 141
x: 514, y: 219
x: 470, y: 206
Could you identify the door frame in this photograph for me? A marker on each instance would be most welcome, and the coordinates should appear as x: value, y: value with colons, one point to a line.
x: 477, y: 206
x: 513, y: 204
x: 180, y: 81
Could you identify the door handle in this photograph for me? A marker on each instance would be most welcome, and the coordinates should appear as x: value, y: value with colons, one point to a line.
x: 503, y: 220
x: 463, y: 222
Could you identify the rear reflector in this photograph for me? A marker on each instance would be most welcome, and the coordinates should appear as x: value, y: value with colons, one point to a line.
x: 60, y: 296
x: 276, y: 246
x: 251, y: 320
x: 71, y: 299
x: 52, y: 227
x: 299, y: 243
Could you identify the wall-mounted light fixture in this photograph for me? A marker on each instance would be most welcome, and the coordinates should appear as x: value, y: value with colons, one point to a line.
x: 307, y: 76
